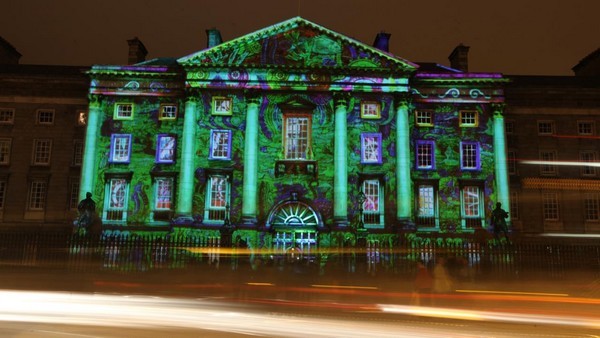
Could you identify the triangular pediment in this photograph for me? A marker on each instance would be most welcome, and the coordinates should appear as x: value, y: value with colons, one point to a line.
x: 297, y: 43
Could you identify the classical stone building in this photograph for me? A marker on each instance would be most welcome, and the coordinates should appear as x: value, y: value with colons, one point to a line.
x: 42, y: 127
x: 295, y: 131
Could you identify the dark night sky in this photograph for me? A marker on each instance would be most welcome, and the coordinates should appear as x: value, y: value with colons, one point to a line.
x: 532, y: 37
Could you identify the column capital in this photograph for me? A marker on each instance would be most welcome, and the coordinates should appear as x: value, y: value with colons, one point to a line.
x: 403, y: 100
x: 498, y: 109
x: 95, y: 99
x: 252, y: 96
x: 340, y: 99
x: 192, y: 94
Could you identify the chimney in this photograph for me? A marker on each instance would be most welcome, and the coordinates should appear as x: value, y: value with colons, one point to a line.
x: 382, y: 41
x: 137, y: 51
x: 459, y: 58
x: 213, y: 37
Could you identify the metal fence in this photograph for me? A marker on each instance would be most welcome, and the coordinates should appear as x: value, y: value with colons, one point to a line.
x: 467, y: 258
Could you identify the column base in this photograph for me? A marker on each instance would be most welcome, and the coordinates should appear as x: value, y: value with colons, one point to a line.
x: 340, y: 222
x: 249, y: 220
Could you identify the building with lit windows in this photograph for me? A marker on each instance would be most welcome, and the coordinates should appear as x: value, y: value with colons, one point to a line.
x: 297, y: 133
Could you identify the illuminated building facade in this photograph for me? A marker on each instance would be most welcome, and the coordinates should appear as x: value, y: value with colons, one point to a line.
x: 297, y: 133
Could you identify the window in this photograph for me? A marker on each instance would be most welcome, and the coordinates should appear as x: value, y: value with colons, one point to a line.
x: 424, y: 118
x: 2, y: 193
x: 82, y: 118
x: 370, y: 148
x: 123, y: 111
x: 585, y: 127
x: 545, y: 127
x: 42, y: 149
x: 509, y: 127
x: 77, y: 152
x: 426, y: 205
x: 469, y: 155
x: 514, y: 205
x: 512, y: 162
x: 588, y: 156
x: 37, y: 195
x: 471, y: 200
x: 370, y: 110
x: 469, y: 118
x: 550, y: 206
x: 7, y: 116
x: 74, y: 193
x: 163, y: 194
x: 217, y: 199
x: 297, y: 136
x: 45, y: 116
x: 221, y: 106
x: 549, y: 168
x: 220, y: 145
x: 5, y: 145
x: 592, y: 207
x: 372, y: 206
x: 120, y: 149
x: 425, y: 154
x: 165, y: 149
x: 167, y: 112
x: 116, y: 199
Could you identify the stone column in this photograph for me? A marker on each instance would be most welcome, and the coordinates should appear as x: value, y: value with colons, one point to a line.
x: 403, y: 181
x: 250, y: 186
x: 89, y: 169
x: 185, y: 190
x: 340, y: 164
x: 502, y: 184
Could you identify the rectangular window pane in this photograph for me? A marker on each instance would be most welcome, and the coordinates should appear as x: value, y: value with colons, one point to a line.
x: 370, y: 148
x: 592, y: 207
x: 585, y: 127
x: 550, y: 206
x: 77, y: 152
x: 424, y: 118
x: 469, y: 155
x: 164, y: 193
x: 512, y: 162
x: 37, y: 195
x: 470, y: 197
x: 372, y: 203
x: 588, y: 156
x: 121, y: 147
x: 220, y: 144
x: 5, y: 145
x: 165, y: 149
x: 41, y: 152
x: 117, y: 194
x: 7, y: 116
x: 514, y: 205
x: 468, y: 118
x: 549, y: 168
x: 218, y: 191
x: 168, y: 112
x: 74, y: 193
x: 124, y: 111
x: 509, y: 127
x: 296, y: 137
x: 426, y: 206
x: 545, y: 127
x: 45, y: 116
x: 425, y: 154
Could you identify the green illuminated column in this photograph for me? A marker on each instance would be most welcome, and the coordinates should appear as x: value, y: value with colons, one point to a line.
x: 502, y: 194
x: 186, y: 172
x: 88, y: 169
x: 340, y: 164
x: 403, y: 182
x: 250, y: 186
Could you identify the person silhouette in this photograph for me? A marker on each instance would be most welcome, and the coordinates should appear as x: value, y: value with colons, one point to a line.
x: 86, y: 208
x: 499, y: 216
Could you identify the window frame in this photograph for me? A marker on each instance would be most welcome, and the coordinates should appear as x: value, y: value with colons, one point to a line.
x: 222, y: 106
x: 368, y: 214
x: 170, y: 196
x: 308, y: 151
x: 77, y: 159
x: 429, y: 117
x: 113, y: 138
x: 159, y: 149
x: 514, y: 205
x: 591, y: 207
x: 7, y: 115
x: 40, y: 114
x: 117, y: 112
x: 463, y: 157
x: 364, y: 138
x: 592, y: 127
x: 162, y: 113
x: 427, y: 220
x: 548, y: 169
x: 588, y: 171
x: 509, y: 127
x: 209, y: 208
x: 38, y: 202
x: 82, y: 117
x: 462, y: 117
x: 110, y: 210
x: 3, y: 186
x: 511, y: 161
x: 5, y: 155
x: 550, y: 123
x: 214, y: 149
x: 370, y: 110
x: 418, y: 154
x: 550, y: 206
x: 38, y: 152
x: 74, y: 193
